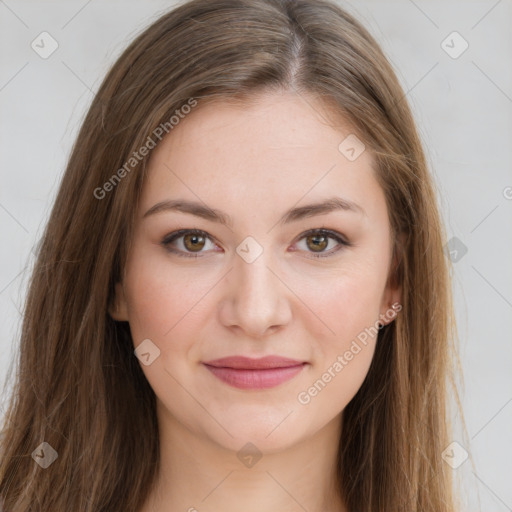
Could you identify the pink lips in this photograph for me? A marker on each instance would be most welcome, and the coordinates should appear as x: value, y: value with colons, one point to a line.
x: 246, y: 373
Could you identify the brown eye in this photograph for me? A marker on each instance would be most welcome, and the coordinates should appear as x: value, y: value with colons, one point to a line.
x: 188, y: 243
x: 318, y: 242
x: 193, y: 242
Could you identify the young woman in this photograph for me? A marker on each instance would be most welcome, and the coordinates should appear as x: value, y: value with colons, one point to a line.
x: 241, y: 300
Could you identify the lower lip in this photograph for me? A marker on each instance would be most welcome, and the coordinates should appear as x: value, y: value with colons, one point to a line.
x: 255, y: 379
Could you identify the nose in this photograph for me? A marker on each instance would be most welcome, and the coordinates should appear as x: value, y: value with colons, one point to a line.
x: 255, y: 299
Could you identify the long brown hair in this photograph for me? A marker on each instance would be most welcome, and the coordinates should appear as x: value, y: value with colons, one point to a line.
x: 78, y: 385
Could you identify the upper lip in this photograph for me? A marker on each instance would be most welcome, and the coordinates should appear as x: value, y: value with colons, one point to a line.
x: 246, y: 363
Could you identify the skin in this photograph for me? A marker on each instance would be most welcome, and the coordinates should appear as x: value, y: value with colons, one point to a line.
x: 255, y: 163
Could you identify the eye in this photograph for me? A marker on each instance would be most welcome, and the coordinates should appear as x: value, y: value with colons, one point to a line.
x: 318, y: 239
x: 192, y: 241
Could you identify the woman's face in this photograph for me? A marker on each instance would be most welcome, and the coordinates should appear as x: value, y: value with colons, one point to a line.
x: 260, y: 278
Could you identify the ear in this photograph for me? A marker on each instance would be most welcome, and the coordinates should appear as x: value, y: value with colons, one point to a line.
x: 392, y: 296
x: 119, y: 309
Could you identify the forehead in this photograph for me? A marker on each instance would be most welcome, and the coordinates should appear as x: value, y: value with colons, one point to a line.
x: 278, y: 148
x: 277, y: 122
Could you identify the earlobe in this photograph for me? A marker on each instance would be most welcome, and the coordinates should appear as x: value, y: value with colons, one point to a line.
x: 118, y: 309
x: 391, y: 308
x: 392, y: 299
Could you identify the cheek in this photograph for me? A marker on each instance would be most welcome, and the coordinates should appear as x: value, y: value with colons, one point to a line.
x: 349, y: 305
x: 169, y: 305
x: 152, y: 302
x: 350, y: 309
x: 342, y: 359
x: 347, y: 300
x: 160, y: 297
x: 164, y: 305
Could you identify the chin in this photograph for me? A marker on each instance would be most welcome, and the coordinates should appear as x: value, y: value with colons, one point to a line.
x: 268, y: 432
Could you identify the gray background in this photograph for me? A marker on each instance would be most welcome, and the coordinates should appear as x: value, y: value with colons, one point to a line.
x: 463, y: 107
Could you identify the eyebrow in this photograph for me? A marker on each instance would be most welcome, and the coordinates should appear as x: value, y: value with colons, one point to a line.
x: 294, y: 214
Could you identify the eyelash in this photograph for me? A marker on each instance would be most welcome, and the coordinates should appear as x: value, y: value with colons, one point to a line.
x: 171, y: 237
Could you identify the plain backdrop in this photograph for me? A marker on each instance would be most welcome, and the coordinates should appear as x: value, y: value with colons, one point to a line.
x: 462, y: 101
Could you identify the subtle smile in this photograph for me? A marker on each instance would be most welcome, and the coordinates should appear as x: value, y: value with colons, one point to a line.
x: 246, y: 373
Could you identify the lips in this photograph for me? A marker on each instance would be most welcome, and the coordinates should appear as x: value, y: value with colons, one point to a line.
x: 246, y: 373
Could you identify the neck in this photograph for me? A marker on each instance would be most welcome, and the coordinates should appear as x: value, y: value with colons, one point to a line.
x: 196, y: 474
